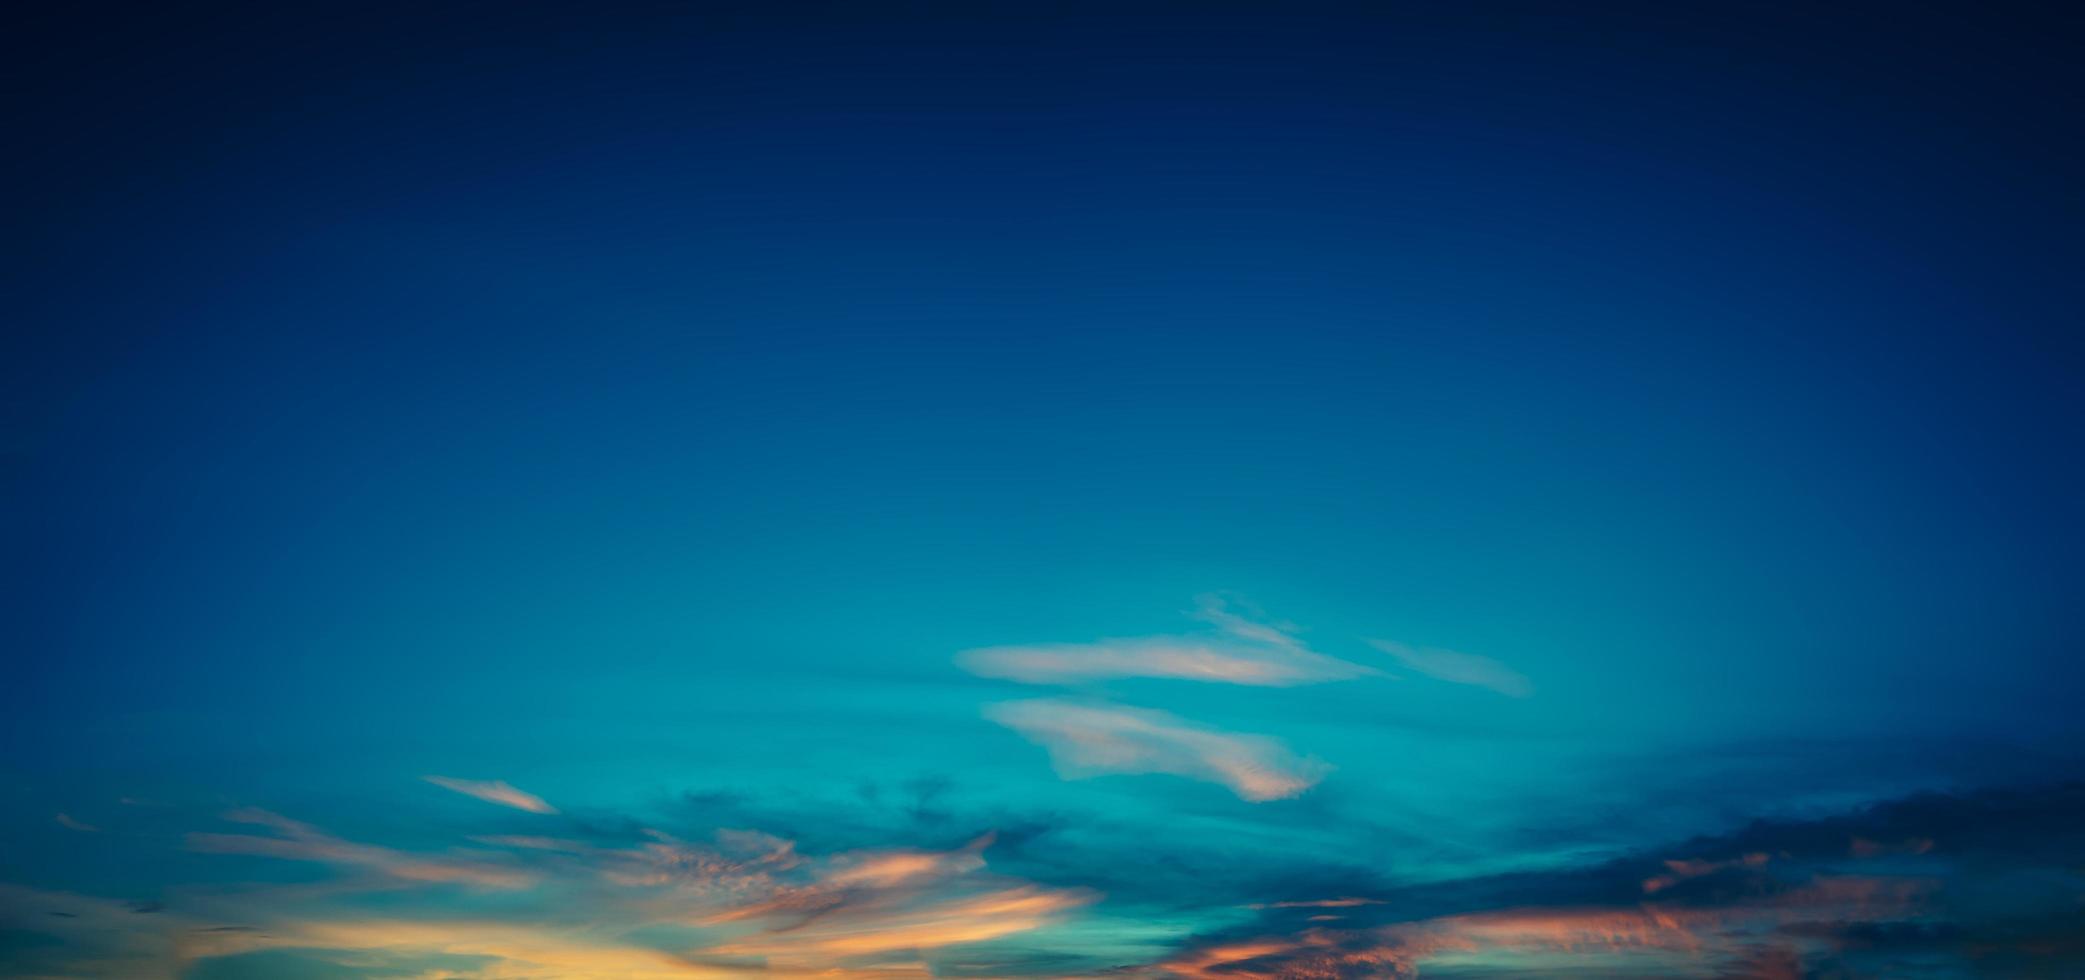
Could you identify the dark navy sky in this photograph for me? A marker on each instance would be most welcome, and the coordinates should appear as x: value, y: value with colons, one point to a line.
x: 1432, y: 456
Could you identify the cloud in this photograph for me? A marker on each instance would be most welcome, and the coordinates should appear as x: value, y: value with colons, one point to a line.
x: 86, y: 936
x: 1994, y: 893
x: 603, y: 903
x: 1680, y: 870
x: 755, y: 904
x: 67, y: 822
x: 504, y: 950
x: 296, y: 841
x: 494, y: 791
x: 1095, y: 739
x: 1319, y: 903
x: 1667, y: 939
x: 876, y: 928
x: 1980, y: 884
x: 1246, y: 652
x: 1459, y: 668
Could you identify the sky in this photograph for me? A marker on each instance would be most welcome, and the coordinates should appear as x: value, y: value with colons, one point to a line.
x: 1157, y: 491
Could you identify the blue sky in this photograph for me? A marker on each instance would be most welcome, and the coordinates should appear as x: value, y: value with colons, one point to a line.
x: 1157, y: 491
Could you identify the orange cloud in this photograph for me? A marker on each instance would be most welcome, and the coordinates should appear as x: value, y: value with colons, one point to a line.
x: 745, y: 904
x: 855, y: 933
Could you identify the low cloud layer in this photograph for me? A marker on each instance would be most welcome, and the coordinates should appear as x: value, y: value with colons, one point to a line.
x: 1983, y: 884
x: 588, y: 902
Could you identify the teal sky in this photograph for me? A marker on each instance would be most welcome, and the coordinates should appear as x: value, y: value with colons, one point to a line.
x: 1160, y: 492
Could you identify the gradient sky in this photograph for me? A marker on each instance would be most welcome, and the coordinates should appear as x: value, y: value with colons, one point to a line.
x: 1038, y: 490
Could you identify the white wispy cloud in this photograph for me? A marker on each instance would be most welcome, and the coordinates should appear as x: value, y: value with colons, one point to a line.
x: 1096, y: 739
x: 494, y: 791
x: 1244, y: 652
x: 1459, y: 668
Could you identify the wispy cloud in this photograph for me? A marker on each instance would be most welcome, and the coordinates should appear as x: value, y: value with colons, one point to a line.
x: 507, y: 950
x: 1670, y: 939
x: 297, y: 841
x: 744, y: 904
x: 596, y: 906
x: 1319, y: 903
x: 1243, y: 652
x: 66, y: 821
x: 1458, y: 668
x: 494, y: 791
x: 874, y: 929
x: 1096, y: 739
x: 1683, y: 869
x: 1978, y: 885
x: 1948, y: 897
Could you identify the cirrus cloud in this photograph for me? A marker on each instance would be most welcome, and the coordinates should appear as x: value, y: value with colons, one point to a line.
x: 1099, y: 739
x: 1246, y: 652
x: 494, y: 791
x: 1459, y: 668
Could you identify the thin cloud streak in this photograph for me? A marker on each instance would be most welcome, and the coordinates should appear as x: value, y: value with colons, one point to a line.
x: 1095, y: 739
x: 1173, y: 658
x: 1459, y: 668
x: 1249, y: 653
x: 297, y: 841
x: 494, y: 791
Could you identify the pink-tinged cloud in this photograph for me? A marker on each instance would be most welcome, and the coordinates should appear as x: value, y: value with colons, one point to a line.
x: 1320, y: 903
x: 67, y: 822
x: 1247, y: 652
x: 494, y: 791
x: 861, y: 879
x: 742, y: 904
x: 1666, y: 940
x: 1176, y: 658
x: 1459, y: 668
x: 528, y: 842
x: 885, y: 869
x: 1093, y: 739
x: 1681, y: 870
x: 297, y: 841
